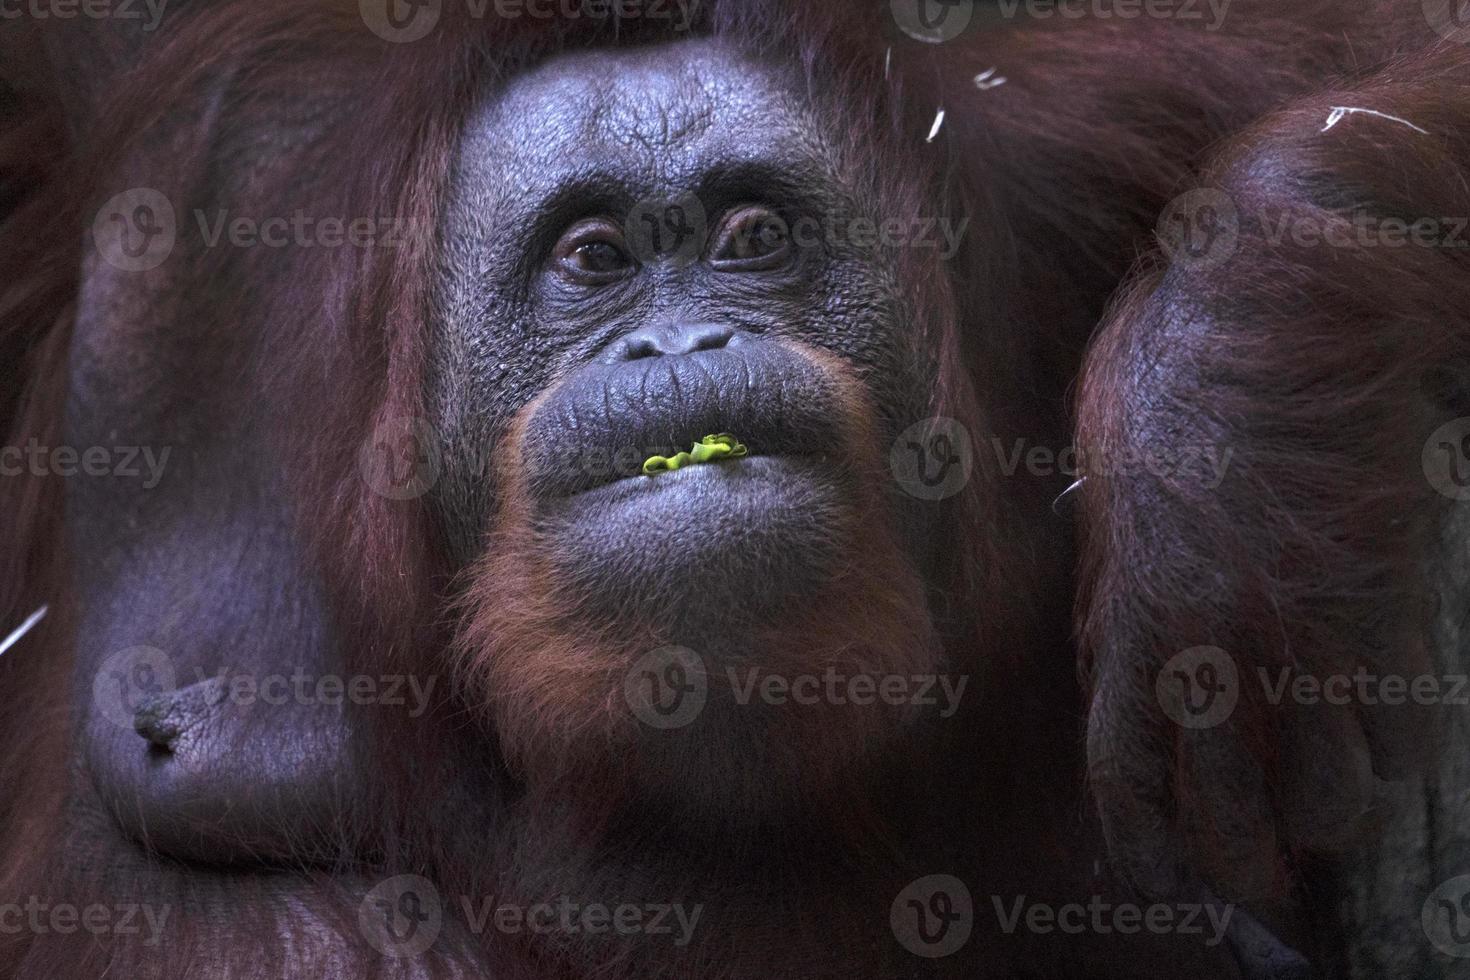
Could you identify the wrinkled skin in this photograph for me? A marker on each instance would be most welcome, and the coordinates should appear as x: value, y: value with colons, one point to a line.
x: 565, y: 342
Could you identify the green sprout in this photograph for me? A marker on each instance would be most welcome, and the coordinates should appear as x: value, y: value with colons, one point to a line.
x: 710, y: 449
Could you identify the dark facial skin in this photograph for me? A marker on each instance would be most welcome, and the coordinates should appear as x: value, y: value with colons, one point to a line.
x: 551, y: 277
x: 567, y: 346
x: 642, y: 353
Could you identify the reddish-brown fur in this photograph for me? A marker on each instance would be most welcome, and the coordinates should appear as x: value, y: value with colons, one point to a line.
x: 550, y: 678
x: 1098, y: 127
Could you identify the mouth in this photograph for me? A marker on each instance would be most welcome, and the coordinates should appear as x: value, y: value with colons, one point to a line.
x: 748, y: 483
x: 605, y: 423
x: 742, y: 534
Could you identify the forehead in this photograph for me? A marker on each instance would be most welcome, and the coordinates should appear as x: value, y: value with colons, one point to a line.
x: 653, y: 116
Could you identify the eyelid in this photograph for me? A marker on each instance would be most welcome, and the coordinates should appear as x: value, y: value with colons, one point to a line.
x: 588, y: 231
x: 567, y: 262
x: 730, y: 224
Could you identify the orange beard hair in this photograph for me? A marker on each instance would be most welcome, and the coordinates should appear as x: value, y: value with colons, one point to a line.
x: 548, y: 675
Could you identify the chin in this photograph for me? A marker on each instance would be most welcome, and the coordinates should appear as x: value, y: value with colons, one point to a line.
x: 607, y: 598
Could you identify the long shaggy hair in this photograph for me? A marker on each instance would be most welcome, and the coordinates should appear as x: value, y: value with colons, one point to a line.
x: 312, y: 350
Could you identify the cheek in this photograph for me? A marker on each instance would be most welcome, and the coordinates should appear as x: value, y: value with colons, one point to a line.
x: 478, y: 381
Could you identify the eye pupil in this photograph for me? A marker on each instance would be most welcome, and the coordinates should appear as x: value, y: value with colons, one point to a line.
x: 768, y: 237
x: 600, y: 257
x: 593, y: 253
x: 756, y: 235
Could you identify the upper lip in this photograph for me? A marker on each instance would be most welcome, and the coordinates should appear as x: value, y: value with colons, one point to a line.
x: 603, y: 422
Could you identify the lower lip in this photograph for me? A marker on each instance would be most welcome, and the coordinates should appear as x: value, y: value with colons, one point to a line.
x: 734, y: 490
x: 772, y: 523
x: 731, y: 472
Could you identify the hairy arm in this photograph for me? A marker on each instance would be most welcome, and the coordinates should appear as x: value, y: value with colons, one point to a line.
x: 1267, y: 418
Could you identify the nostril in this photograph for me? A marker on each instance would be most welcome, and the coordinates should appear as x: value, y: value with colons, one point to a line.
x: 639, y: 346
x: 709, y: 336
x: 668, y: 341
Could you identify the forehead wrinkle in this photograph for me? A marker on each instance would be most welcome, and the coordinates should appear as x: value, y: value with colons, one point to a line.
x: 661, y: 103
x: 655, y: 119
x: 650, y: 123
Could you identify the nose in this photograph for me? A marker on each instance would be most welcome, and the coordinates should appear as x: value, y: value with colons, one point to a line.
x: 672, y: 340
